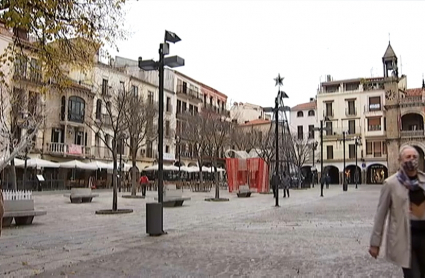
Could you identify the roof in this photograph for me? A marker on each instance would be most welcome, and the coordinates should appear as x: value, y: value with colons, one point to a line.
x: 352, y: 80
x: 200, y: 84
x: 256, y: 122
x: 305, y: 106
x: 389, y: 53
x: 414, y: 92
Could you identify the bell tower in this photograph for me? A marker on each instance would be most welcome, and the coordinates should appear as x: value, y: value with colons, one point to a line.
x: 392, y: 107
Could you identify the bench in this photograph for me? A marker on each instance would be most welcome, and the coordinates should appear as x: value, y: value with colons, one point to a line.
x: 21, y: 210
x: 244, y: 191
x: 173, y: 197
x: 81, y: 195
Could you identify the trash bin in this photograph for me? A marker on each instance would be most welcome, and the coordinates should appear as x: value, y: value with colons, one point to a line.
x: 154, y: 219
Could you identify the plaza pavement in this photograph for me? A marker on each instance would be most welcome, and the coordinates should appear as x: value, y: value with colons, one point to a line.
x: 307, y: 236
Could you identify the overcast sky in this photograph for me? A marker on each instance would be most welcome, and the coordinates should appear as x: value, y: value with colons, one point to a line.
x: 239, y: 47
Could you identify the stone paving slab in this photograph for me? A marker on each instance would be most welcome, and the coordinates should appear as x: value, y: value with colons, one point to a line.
x: 307, y: 236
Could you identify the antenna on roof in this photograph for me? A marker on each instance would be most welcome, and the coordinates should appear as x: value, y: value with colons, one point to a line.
x: 401, y: 66
x: 389, y: 37
x: 371, y: 72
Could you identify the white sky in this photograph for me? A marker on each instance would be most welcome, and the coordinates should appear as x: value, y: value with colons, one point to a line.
x: 239, y: 47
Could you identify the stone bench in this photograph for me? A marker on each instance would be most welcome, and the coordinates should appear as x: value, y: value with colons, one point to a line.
x: 173, y: 197
x: 81, y: 195
x: 21, y: 210
x: 244, y: 191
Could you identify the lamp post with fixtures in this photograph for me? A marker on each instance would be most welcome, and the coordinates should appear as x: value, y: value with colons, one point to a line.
x: 314, y: 148
x: 148, y: 65
x: 358, y: 142
x: 321, y: 129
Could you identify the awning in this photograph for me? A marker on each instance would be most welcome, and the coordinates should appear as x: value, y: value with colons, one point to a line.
x: 77, y: 165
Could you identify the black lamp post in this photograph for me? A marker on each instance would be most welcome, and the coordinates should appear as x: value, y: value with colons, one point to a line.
x: 173, y: 61
x: 344, y: 180
x: 178, y: 139
x: 358, y: 142
x: 314, y: 148
x: 321, y: 129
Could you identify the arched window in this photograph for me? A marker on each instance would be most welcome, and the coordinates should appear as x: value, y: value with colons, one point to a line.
x: 98, y: 108
x: 311, y: 113
x: 63, y: 100
x: 76, y: 108
x: 300, y: 114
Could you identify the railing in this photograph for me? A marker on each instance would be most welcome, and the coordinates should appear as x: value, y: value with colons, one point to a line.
x: 412, y: 99
x: 68, y: 149
x: 412, y: 133
x: 350, y: 112
x: 374, y: 128
x: 189, y: 92
x: 373, y: 108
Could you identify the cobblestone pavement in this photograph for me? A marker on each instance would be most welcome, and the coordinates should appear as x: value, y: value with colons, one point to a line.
x: 307, y: 236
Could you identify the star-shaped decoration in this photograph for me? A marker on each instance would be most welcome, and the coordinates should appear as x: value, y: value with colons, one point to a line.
x: 279, y: 80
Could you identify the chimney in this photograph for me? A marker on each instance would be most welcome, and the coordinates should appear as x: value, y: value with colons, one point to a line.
x: 328, y: 78
x: 311, y: 99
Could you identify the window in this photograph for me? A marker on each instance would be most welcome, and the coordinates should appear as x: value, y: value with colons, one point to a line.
x: 352, y: 86
x: 135, y: 90
x: 122, y: 86
x: 167, y: 128
x: 179, y: 106
x: 311, y: 132
x: 329, y: 130
x: 368, y: 148
x: 329, y: 110
x: 351, y: 111
x: 300, y: 114
x: 35, y: 70
x: 300, y: 132
x: 98, y: 109
x: 105, y: 87
x: 384, y: 147
x: 150, y: 97
x: 184, y: 87
x: 374, y: 124
x: 168, y: 105
x: 76, y: 109
x: 57, y: 135
x: 63, y: 104
x: 33, y: 103
x: 329, y: 152
x: 149, y: 152
x: 21, y: 66
x: 377, y: 149
x: 311, y: 113
x: 78, y: 138
x: 332, y: 89
x: 352, y: 151
x: 352, y: 127
x: 167, y: 149
x: 374, y: 103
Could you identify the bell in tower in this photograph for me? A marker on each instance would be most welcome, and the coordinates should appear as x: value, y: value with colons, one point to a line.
x: 390, y: 62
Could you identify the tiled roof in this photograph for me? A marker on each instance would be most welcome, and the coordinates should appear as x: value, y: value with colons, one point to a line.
x: 256, y: 122
x: 305, y: 106
x: 414, y: 92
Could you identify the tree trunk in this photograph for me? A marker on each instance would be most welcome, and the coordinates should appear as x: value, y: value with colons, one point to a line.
x: 114, y: 181
x: 133, y: 174
x: 201, y: 178
x: 12, y: 174
x: 217, y: 187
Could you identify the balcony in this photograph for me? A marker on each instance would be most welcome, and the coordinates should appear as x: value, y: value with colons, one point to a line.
x: 328, y: 113
x: 373, y: 109
x: 102, y: 152
x: 412, y: 133
x: 71, y: 119
x: 337, y: 131
x: 351, y: 112
x: 188, y: 94
x: 62, y: 149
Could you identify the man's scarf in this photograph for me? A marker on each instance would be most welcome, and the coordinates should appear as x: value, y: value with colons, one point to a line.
x: 406, y: 181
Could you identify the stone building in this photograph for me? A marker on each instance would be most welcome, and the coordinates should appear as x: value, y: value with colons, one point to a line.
x: 404, y: 112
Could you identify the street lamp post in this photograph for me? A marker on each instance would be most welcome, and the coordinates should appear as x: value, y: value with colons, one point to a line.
x: 178, y: 148
x: 314, y: 147
x: 344, y: 180
x: 321, y: 129
x: 148, y: 65
x: 357, y: 142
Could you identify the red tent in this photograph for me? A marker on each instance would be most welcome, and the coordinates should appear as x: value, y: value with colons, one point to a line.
x: 251, y: 171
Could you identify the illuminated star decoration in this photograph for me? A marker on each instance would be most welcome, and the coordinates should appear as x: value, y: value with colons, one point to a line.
x: 279, y: 80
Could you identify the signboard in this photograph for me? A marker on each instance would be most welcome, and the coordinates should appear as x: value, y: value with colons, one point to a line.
x: 75, y: 149
x: 40, y: 177
x: 169, y: 156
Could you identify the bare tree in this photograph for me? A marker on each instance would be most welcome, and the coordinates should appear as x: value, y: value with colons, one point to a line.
x: 112, y: 125
x: 194, y: 130
x: 139, y: 116
x: 218, y: 136
x: 241, y: 138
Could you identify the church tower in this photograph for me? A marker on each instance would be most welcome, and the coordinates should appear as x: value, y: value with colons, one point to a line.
x: 392, y: 107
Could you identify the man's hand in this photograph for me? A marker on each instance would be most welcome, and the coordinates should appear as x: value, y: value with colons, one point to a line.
x: 374, y: 251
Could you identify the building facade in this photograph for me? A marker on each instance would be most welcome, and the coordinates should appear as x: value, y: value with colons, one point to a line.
x: 246, y: 112
x: 302, y: 122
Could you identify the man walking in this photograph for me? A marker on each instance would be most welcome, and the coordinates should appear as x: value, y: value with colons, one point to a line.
x: 286, y: 184
x: 144, y: 183
x: 403, y: 198
x: 275, y: 184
